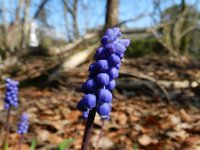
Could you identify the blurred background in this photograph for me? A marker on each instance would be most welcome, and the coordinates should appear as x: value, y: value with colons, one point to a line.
x: 48, y: 45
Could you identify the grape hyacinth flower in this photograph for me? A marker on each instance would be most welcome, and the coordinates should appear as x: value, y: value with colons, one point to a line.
x: 11, y: 100
x: 102, y: 74
x: 23, y: 125
x: 22, y: 128
x: 101, y: 80
x: 11, y: 96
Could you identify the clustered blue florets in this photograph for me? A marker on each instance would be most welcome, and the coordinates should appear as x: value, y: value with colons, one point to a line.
x: 102, y: 73
x: 11, y: 97
x: 23, y: 125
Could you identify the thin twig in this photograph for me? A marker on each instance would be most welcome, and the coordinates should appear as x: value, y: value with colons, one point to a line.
x: 100, y: 135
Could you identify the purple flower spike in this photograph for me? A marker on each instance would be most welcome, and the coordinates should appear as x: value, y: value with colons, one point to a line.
x: 11, y: 96
x: 23, y: 125
x: 102, y: 73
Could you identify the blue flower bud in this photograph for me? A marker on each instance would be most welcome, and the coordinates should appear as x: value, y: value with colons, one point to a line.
x: 111, y: 85
x: 119, y: 48
x: 81, y: 105
x: 102, y: 79
x: 85, y: 114
x: 89, y: 86
x: 113, y: 73
x: 100, y: 54
x: 118, y: 66
x: 110, y: 48
x: 102, y: 65
x: 104, y: 109
x: 121, y: 55
x: 110, y: 33
x: 93, y: 70
x: 104, y: 95
x: 90, y: 101
x: 125, y: 42
x: 113, y: 60
x: 104, y: 40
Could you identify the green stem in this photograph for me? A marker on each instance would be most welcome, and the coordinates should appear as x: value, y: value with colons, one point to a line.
x: 7, y: 129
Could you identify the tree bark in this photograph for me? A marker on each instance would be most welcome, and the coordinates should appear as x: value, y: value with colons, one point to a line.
x: 40, y: 8
x: 17, y: 13
x: 74, y: 16
x: 25, y: 26
x: 66, y: 20
x: 4, y: 25
x: 111, y: 13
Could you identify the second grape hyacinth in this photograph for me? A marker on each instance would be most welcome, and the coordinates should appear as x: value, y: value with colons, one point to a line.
x: 102, y: 74
x: 23, y: 125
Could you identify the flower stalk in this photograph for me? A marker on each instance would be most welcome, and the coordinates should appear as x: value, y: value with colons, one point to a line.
x: 98, y: 87
x: 88, y: 129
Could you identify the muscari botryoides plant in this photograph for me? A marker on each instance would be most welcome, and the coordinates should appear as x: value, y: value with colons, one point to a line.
x: 12, y: 100
x: 101, y: 80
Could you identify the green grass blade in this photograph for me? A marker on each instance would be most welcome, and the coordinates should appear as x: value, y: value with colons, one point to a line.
x: 33, y: 144
x: 6, y: 146
x: 135, y: 146
x: 65, y: 144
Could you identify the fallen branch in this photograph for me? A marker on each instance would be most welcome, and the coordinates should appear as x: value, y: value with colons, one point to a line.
x: 71, y: 46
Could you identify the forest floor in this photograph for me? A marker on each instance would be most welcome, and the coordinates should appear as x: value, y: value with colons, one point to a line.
x: 141, y: 118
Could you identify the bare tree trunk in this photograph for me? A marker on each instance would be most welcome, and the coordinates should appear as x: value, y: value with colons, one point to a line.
x: 25, y: 27
x: 15, y: 28
x: 4, y: 25
x: 183, y: 41
x: 66, y: 20
x: 17, y: 14
x: 74, y: 16
x: 40, y: 8
x: 111, y: 13
x: 73, y: 12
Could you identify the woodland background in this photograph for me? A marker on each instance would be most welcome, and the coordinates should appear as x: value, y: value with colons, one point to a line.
x: 48, y: 45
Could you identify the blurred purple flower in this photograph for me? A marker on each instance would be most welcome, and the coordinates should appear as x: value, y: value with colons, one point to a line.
x: 23, y: 124
x: 11, y: 96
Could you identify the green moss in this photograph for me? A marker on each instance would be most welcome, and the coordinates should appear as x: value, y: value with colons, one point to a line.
x: 141, y: 47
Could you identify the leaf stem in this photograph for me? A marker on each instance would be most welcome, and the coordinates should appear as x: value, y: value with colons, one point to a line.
x: 100, y: 135
x: 7, y: 129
